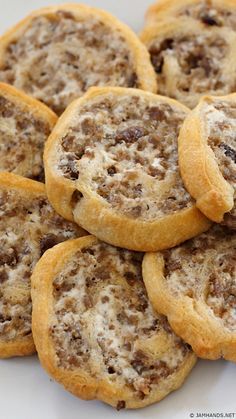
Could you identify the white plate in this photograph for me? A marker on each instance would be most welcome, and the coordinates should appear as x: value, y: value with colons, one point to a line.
x: 26, y: 391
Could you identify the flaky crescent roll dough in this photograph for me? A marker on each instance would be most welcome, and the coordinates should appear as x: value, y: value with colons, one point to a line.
x: 194, y: 286
x: 25, y: 124
x: 29, y: 226
x: 207, y: 157
x: 191, y: 59
x: 95, y: 330
x: 58, y: 52
x: 112, y: 166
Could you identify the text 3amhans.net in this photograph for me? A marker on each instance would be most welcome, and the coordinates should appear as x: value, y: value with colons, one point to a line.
x: 213, y: 415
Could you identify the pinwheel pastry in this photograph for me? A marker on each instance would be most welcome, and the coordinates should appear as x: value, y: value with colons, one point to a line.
x: 194, y: 284
x: 207, y: 156
x: 111, y: 165
x: 25, y: 124
x: 58, y: 52
x: 191, y: 59
x: 29, y: 226
x: 95, y: 330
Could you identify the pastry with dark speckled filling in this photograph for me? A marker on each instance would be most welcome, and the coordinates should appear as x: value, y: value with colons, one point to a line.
x: 207, y: 157
x: 58, y: 52
x: 29, y: 226
x: 219, y: 13
x: 194, y: 285
x: 95, y: 330
x: 25, y: 124
x: 193, y: 48
x: 111, y: 165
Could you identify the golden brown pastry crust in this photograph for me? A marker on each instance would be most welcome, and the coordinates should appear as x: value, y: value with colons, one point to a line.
x: 78, y: 380
x: 95, y: 215
x: 190, y: 317
x: 183, y: 75
x: 145, y: 74
x: 17, y: 348
x: 198, y: 165
x: 30, y: 107
x: 25, y: 346
x: 35, y: 107
x: 168, y: 8
x: 29, y: 189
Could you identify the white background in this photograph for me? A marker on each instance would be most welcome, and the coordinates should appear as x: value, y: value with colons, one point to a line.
x: 26, y: 391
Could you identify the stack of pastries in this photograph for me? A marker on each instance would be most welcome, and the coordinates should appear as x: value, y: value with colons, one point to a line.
x: 118, y: 219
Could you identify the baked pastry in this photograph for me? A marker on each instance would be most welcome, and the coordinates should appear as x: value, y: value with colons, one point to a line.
x: 191, y: 59
x: 58, y: 52
x: 29, y: 226
x: 94, y: 328
x: 195, y: 286
x: 25, y: 124
x: 111, y: 165
x: 207, y: 156
x: 221, y: 13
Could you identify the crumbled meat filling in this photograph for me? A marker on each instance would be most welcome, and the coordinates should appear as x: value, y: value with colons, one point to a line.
x: 29, y: 226
x: 221, y: 122
x: 103, y: 321
x: 125, y: 149
x: 22, y: 138
x: 86, y: 52
x: 190, y: 64
x: 211, y: 15
x: 205, y: 267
